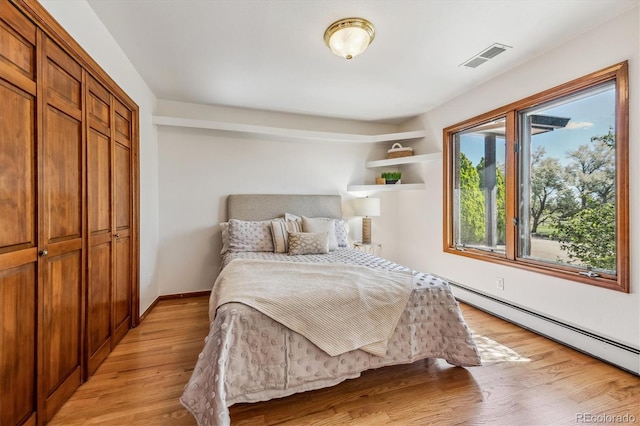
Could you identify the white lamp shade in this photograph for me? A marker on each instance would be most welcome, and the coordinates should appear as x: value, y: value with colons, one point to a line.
x: 367, y: 206
x: 349, y: 42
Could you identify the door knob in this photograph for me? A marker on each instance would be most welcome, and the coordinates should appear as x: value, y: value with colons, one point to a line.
x: 43, y: 252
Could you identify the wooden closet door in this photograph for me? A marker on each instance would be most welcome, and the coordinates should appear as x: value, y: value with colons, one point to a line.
x: 100, y: 220
x: 123, y: 218
x: 18, y: 202
x: 60, y: 325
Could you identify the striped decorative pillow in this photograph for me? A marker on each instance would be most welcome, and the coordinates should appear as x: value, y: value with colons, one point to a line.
x: 280, y: 229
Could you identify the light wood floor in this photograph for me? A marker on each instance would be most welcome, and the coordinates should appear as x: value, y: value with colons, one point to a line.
x: 526, y: 380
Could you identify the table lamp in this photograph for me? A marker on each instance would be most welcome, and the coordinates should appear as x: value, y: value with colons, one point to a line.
x: 367, y: 207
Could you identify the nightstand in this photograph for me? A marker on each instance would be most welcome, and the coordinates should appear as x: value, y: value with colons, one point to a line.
x: 371, y: 248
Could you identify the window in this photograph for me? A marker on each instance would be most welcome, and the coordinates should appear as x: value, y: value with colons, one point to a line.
x: 542, y: 183
x: 479, y: 204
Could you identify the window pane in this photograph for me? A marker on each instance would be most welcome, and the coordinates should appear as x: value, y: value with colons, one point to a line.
x: 479, y: 189
x: 567, y: 180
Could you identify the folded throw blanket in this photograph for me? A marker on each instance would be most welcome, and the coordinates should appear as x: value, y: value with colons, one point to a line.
x: 338, y: 307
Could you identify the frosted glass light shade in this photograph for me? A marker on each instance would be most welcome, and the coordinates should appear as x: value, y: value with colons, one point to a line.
x: 367, y: 206
x: 349, y: 37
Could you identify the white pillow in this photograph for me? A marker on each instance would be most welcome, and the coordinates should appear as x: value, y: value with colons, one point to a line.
x: 308, y: 242
x: 342, y: 232
x: 321, y: 224
x: 247, y: 235
x: 280, y: 229
x: 290, y: 216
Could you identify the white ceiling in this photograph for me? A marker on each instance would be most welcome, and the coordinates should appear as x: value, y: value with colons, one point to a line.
x: 270, y: 54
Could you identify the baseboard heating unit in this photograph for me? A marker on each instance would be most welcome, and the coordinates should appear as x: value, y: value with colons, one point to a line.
x: 602, y: 348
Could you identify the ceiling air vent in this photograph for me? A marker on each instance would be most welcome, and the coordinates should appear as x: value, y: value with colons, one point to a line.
x: 490, y: 52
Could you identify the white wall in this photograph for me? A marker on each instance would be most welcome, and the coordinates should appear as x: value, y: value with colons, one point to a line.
x: 608, y: 313
x: 81, y: 22
x: 199, y: 168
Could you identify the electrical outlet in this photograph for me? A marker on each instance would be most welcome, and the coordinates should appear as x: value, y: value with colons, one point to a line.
x: 500, y: 283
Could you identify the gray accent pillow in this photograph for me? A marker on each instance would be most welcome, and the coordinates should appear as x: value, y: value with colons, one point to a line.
x: 308, y: 242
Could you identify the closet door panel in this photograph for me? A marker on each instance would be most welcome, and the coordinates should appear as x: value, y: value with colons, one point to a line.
x: 63, y: 180
x: 99, y: 308
x: 61, y: 156
x: 99, y: 277
x: 17, y: 343
x: 99, y: 181
x: 17, y: 48
x: 63, y: 77
x: 18, y: 202
x: 17, y: 51
x: 17, y: 179
x: 123, y: 222
x: 122, y: 289
x: 62, y: 308
x: 123, y: 187
x: 61, y: 299
x: 100, y: 219
x: 18, y: 278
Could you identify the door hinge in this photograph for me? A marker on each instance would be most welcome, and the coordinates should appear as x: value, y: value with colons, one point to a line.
x: 516, y: 147
x: 516, y: 221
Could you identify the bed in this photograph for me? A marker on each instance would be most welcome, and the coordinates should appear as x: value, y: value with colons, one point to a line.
x: 248, y: 356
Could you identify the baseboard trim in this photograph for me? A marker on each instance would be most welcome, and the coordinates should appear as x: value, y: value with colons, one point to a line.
x: 184, y: 295
x: 615, y: 353
x: 146, y: 312
x: 171, y: 297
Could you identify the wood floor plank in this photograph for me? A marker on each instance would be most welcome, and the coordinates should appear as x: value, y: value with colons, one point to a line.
x: 526, y: 379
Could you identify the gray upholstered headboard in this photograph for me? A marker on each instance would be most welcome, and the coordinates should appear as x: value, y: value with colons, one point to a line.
x: 269, y: 206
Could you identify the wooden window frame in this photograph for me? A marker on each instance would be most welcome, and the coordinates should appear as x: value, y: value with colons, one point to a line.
x: 617, y: 73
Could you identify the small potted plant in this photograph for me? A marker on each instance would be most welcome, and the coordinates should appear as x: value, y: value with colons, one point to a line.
x: 392, y: 177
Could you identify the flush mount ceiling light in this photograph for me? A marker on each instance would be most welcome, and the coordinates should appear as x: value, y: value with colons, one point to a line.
x: 349, y: 37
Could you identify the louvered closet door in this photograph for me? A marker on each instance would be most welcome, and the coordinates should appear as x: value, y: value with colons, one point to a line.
x: 100, y: 219
x: 123, y: 218
x: 18, y: 201
x: 61, y: 228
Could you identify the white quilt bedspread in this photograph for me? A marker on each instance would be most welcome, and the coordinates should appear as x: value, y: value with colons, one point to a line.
x: 338, y: 307
x: 249, y: 357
